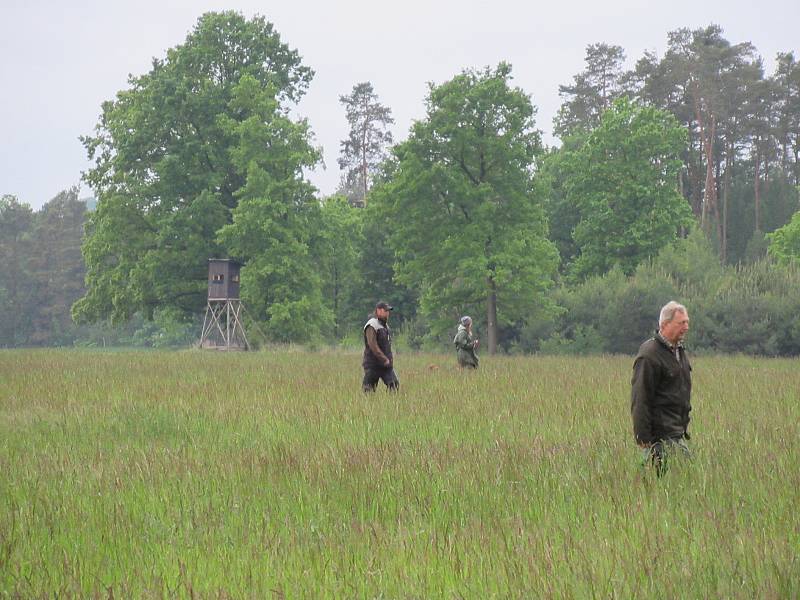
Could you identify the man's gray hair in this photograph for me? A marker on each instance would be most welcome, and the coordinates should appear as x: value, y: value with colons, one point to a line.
x: 668, y: 311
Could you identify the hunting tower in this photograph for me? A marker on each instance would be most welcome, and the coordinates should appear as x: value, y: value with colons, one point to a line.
x: 222, y: 325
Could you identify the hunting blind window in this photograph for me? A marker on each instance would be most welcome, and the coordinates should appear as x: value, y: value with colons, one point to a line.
x: 219, y: 277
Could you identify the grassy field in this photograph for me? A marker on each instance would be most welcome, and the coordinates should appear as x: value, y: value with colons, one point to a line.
x: 270, y: 475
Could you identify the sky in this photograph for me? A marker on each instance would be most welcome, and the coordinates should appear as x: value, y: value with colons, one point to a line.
x: 60, y: 60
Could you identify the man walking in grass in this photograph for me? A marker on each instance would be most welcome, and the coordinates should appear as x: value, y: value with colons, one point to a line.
x: 378, y: 362
x: 661, y: 390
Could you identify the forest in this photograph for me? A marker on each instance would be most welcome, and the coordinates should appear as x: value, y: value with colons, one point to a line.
x: 676, y: 179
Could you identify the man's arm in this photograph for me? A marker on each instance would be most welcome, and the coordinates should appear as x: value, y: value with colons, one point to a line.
x: 372, y: 342
x: 642, y: 388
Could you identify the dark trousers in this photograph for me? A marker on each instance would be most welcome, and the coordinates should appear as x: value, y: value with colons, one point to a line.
x: 373, y: 374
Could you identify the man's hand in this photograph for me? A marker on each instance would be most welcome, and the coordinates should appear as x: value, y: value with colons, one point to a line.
x: 475, y: 344
x: 387, y: 363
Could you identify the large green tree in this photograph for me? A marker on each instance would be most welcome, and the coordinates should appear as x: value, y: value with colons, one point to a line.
x: 466, y: 229
x: 709, y: 85
x: 166, y: 173
x: 623, y: 180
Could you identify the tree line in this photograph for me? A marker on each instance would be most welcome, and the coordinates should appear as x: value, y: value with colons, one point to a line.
x: 676, y: 179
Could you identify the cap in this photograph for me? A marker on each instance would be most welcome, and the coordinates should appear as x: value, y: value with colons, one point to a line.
x: 384, y: 305
x: 465, y: 320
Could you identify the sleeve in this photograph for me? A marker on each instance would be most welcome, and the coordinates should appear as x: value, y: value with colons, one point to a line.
x: 372, y: 342
x: 642, y: 386
x: 462, y: 341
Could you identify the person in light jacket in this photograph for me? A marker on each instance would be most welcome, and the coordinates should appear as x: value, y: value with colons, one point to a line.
x: 466, y: 344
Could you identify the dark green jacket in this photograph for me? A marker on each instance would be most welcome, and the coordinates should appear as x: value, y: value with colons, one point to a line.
x: 661, y: 391
x: 466, y: 348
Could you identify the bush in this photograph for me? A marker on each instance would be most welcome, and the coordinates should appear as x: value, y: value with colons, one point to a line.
x: 756, y: 311
x: 752, y: 309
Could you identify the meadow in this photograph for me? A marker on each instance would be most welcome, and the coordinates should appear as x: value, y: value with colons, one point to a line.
x: 271, y: 475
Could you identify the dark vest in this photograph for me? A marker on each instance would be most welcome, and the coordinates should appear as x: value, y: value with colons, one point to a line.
x: 383, y: 336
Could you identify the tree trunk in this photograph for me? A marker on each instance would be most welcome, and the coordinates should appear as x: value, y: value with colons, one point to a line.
x: 757, y: 189
x: 336, y: 302
x: 364, y: 156
x: 694, y: 198
x: 726, y: 187
x: 796, y: 168
x: 491, y: 316
x: 710, y: 189
x: 364, y: 176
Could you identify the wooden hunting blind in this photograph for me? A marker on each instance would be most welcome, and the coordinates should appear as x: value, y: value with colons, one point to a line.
x: 223, y: 279
x: 222, y: 325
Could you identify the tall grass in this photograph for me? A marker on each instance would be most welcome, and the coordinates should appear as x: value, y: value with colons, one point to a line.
x: 201, y: 474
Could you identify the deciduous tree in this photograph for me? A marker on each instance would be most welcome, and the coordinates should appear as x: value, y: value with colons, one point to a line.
x: 465, y: 226
x: 624, y: 181
x: 165, y: 170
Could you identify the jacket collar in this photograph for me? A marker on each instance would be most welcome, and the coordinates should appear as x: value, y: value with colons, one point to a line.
x: 664, y: 342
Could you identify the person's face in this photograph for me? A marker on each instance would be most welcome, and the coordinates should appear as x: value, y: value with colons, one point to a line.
x: 382, y: 314
x: 673, y: 331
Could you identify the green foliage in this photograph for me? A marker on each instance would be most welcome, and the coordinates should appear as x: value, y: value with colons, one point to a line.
x: 17, y: 288
x: 623, y: 181
x: 563, y: 215
x: 749, y: 309
x: 56, y: 266
x: 377, y: 279
x: 784, y: 243
x: 277, y: 218
x: 779, y: 201
x: 42, y: 269
x: 584, y: 340
x: 757, y: 247
x: 611, y: 312
x: 171, y: 155
x: 461, y: 214
x: 591, y: 92
x: 166, y: 329
x: 755, y: 311
x: 339, y: 246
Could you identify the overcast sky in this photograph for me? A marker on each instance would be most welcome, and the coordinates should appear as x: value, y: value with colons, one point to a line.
x: 60, y: 60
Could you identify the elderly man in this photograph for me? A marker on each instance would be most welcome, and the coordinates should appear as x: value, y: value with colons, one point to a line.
x: 378, y: 361
x: 661, y: 390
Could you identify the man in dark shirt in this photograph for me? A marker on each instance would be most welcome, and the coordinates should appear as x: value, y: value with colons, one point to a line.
x: 378, y: 362
x: 661, y: 390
